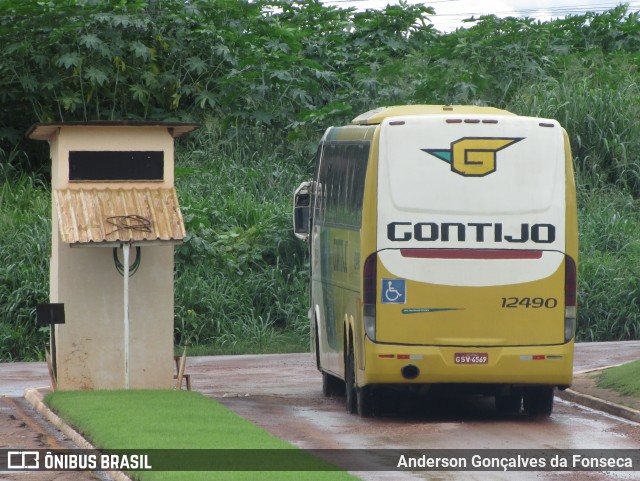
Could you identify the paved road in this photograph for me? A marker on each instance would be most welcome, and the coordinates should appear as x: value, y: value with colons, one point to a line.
x: 282, y: 393
x: 18, y: 376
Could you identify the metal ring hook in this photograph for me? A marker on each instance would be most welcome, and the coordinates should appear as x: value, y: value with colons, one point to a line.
x: 133, y: 268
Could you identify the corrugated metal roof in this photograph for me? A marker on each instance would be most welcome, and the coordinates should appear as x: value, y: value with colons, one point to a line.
x: 118, y: 215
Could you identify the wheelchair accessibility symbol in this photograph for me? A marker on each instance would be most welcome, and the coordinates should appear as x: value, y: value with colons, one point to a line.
x: 394, y: 291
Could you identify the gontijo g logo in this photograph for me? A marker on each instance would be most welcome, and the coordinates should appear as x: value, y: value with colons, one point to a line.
x: 473, y: 156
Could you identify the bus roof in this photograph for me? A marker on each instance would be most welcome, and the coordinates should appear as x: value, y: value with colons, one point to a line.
x: 376, y: 116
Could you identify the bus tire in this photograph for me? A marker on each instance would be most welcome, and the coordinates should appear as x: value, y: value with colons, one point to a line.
x: 538, y: 401
x: 509, y: 404
x: 331, y: 385
x: 365, y: 401
x: 350, y: 383
x: 326, y: 384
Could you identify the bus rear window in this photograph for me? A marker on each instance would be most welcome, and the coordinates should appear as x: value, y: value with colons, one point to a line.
x: 429, y: 165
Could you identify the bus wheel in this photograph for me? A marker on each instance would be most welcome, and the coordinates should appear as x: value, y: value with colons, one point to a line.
x: 538, y: 401
x: 350, y: 382
x: 509, y: 404
x: 331, y: 385
x: 365, y: 401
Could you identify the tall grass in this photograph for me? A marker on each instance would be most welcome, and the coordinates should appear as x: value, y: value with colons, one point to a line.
x: 609, y: 266
x: 241, y: 275
x: 25, y: 230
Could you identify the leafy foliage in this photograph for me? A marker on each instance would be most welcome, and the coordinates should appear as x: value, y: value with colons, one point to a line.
x: 265, y: 78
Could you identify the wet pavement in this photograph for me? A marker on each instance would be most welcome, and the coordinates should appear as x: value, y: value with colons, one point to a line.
x: 282, y: 393
x: 207, y: 370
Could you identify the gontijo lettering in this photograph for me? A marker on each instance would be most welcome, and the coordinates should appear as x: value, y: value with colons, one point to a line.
x: 471, y: 231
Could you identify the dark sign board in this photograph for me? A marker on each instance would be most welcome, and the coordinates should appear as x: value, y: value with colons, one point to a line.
x: 49, y: 314
x: 114, y: 165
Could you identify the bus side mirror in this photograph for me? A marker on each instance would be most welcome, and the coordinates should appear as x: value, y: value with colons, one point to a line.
x: 301, y: 205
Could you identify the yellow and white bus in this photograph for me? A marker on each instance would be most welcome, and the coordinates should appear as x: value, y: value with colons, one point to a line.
x: 443, y: 250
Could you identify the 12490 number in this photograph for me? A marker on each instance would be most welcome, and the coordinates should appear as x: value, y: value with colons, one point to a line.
x: 529, y: 302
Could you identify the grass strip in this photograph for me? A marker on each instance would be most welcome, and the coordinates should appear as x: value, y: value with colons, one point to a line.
x: 174, y: 420
x: 624, y: 379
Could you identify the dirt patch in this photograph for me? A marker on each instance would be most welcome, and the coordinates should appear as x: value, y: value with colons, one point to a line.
x: 21, y: 427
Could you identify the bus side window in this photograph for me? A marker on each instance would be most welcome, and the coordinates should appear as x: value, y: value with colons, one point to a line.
x: 321, y: 186
x: 340, y: 179
x: 360, y: 171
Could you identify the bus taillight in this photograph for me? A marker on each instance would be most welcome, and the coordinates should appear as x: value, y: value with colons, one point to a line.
x: 369, y: 283
x: 570, y: 298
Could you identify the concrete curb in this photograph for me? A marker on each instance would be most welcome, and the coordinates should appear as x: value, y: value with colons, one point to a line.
x: 34, y: 397
x: 597, y: 403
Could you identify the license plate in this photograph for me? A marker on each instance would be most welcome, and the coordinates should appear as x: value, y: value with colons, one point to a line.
x: 471, y: 358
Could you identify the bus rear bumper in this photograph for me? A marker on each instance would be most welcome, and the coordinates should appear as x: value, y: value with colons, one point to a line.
x: 521, y: 365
